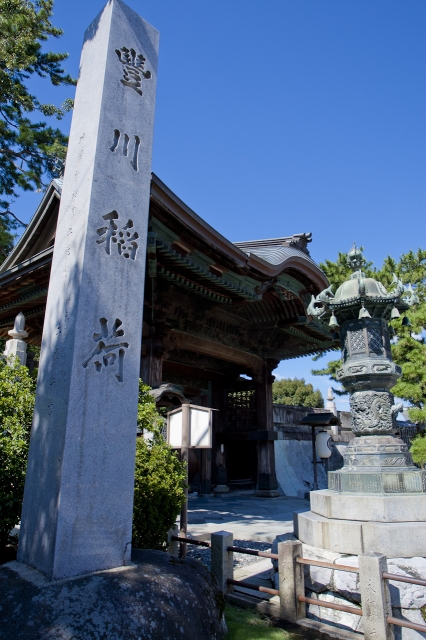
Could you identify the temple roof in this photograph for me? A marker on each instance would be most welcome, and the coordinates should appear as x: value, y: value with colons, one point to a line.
x: 243, y: 301
x: 268, y: 257
x: 278, y: 250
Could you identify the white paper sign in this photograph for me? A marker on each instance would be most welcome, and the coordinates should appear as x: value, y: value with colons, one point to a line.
x: 175, y: 429
x: 200, y: 428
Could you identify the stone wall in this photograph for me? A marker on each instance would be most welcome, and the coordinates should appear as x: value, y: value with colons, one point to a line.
x: 293, y: 450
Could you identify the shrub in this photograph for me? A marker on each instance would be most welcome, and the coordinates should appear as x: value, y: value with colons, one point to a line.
x: 17, y: 393
x: 159, y: 479
x: 418, y: 449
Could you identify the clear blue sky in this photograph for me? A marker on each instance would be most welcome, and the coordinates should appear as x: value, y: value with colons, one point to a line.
x: 285, y: 116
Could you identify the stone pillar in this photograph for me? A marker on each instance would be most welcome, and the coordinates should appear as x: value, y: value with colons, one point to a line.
x: 173, y: 545
x: 375, y: 597
x: 331, y: 405
x: 17, y: 347
x: 291, y: 579
x: 267, y: 485
x: 222, y: 563
x: 78, y: 500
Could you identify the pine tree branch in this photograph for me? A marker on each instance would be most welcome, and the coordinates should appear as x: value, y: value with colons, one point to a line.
x: 10, y: 213
x: 8, y: 121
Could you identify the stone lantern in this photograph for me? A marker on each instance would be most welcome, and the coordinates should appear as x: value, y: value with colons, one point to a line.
x: 379, y: 486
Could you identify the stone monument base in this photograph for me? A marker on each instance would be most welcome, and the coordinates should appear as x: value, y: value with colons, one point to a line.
x: 158, y: 597
x: 221, y: 488
x: 268, y: 493
x: 394, y: 525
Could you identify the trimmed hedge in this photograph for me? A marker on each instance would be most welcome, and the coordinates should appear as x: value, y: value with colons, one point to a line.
x: 159, y: 479
x: 17, y: 394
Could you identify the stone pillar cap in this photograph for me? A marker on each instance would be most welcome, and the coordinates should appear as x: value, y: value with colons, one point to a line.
x: 18, y: 331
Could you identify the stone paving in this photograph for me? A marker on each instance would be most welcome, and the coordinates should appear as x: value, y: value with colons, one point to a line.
x: 245, y: 515
x: 255, y: 521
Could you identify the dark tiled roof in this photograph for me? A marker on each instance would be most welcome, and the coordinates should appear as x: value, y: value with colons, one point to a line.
x: 320, y: 419
x: 278, y: 250
x: 277, y: 255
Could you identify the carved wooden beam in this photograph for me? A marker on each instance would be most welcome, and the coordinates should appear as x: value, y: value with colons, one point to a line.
x: 180, y: 340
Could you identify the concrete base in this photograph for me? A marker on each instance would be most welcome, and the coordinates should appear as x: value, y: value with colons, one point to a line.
x: 268, y: 493
x: 156, y: 598
x: 394, y: 539
x: 221, y: 488
x: 374, y: 508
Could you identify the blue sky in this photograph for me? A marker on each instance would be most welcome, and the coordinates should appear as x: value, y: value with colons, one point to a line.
x: 285, y: 116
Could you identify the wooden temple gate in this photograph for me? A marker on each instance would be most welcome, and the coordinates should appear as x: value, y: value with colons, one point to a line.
x: 218, y: 318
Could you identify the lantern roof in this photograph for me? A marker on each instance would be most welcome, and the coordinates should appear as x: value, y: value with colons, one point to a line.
x: 361, y: 296
x: 323, y: 419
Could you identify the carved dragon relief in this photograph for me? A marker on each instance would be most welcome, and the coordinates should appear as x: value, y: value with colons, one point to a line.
x: 373, y: 412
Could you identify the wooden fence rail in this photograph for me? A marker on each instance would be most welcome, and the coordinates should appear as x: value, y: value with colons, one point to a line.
x: 378, y: 620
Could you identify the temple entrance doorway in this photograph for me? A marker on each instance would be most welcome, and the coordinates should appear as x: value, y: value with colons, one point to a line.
x: 241, y: 462
x: 241, y: 421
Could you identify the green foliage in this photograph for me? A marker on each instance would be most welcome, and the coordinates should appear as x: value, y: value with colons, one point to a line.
x: 295, y: 391
x: 418, y: 449
x: 409, y: 351
x: 28, y: 149
x: 149, y: 419
x: 17, y: 393
x: 159, y: 479
x: 244, y: 624
x: 330, y: 370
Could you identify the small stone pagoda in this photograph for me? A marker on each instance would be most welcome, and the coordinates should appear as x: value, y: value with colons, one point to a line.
x: 377, y: 501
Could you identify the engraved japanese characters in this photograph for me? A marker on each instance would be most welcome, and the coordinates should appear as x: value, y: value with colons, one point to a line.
x: 77, y: 511
x: 133, y: 68
x: 124, y: 238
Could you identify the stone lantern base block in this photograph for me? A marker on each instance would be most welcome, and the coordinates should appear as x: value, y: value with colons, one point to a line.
x: 394, y: 539
x: 376, y: 481
x: 373, y: 508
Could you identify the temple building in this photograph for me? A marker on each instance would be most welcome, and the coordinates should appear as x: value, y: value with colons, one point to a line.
x: 218, y: 318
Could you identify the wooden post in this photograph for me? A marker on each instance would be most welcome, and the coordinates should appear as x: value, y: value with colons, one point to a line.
x: 314, y: 459
x: 206, y: 471
x: 152, y: 361
x: 291, y: 580
x: 267, y: 485
x: 184, y: 458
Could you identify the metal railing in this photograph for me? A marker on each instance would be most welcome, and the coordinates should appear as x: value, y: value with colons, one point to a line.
x: 330, y: 605
x: 322, y: 603
x: 230, y: 548
x: 397, y: 621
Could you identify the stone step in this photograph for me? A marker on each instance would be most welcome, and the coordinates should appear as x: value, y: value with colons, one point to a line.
x: 394, y: 539
x: 374, y: 508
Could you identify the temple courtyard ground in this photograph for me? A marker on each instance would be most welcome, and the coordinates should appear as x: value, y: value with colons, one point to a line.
x: 243, y: 514
x: 254, y: 522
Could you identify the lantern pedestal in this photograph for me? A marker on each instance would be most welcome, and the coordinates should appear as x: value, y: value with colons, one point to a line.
x: 404, y: 539
x: 378, y: 464
x: 376, y: 502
